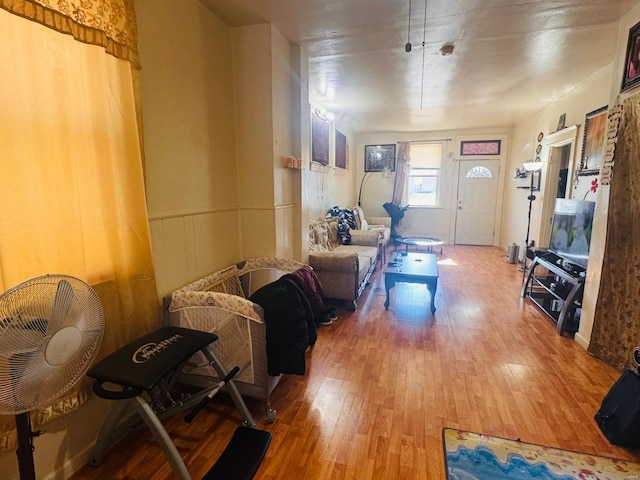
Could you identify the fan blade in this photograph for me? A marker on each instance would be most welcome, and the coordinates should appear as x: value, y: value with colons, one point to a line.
x: 61, y: 305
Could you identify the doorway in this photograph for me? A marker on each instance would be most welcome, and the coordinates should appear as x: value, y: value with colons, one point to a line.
x: 476, y: 204
x: 558, y: 154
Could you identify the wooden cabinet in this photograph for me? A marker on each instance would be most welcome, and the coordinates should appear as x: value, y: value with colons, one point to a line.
x: 556, y: 287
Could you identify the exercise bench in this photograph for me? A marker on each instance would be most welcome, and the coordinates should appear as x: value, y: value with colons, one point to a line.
x: 142, y: 374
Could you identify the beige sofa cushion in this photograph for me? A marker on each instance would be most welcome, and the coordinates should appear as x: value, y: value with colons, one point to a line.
x: 323, y: 235
x: 366, y: 254
x: 319, y: 236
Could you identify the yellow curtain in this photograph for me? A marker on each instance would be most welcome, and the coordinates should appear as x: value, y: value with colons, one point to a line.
x: 108, y: 23
x: 71, y: 181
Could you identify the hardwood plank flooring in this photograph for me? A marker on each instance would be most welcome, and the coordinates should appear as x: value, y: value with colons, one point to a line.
x: 381, y: 385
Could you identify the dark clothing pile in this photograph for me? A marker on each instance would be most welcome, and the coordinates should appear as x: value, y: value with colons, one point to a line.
x: 290, y: 329
x: 308, y: 282
x: 346, y: 221
x: 293, y: 308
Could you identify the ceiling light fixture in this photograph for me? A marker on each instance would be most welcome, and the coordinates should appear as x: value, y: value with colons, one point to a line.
x: 424, y: 43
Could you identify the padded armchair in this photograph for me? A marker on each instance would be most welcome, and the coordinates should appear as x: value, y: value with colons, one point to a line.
x: 370, y: 229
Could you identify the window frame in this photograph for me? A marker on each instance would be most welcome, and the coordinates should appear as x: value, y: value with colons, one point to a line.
x: 437, y: 176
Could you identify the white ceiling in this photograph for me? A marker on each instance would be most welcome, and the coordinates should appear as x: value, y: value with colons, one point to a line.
x: 511, y: 58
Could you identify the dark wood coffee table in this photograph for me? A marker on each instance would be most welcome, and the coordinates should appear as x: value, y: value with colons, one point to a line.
x: 411, y: 267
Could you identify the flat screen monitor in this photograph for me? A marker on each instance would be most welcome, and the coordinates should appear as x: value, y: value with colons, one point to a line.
x: 571, y: 230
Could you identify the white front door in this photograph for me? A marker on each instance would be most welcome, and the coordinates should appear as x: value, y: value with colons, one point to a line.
x: 476, y: 205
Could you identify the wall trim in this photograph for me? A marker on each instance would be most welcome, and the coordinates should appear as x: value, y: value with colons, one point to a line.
x: 286, y: 206
x: 190, y: 213
x: 580, y: 340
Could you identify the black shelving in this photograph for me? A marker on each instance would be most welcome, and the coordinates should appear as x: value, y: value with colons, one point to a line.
x: 556, y: 287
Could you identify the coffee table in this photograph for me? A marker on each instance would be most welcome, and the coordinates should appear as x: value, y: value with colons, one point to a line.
x: 409, y: 267
x: 427, y: 242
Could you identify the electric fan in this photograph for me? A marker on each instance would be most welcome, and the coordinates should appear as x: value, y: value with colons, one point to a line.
x: 50, y: 331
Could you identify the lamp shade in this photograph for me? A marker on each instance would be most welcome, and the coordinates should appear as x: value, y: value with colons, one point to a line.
x: 532, y: 166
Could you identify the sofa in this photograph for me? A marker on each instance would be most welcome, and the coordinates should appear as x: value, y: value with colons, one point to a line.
x: 344, y: 269
x: 219, y: 303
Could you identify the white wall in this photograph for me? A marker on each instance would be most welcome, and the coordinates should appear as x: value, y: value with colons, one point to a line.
x: 439, y: 221
x: 186, y: 87
x: 328, y: 186
x: 590, y: 95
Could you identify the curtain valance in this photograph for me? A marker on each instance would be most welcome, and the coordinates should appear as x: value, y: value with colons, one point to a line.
x: 107, y: 23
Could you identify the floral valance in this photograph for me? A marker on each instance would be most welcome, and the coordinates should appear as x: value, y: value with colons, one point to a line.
x: 108, y: 23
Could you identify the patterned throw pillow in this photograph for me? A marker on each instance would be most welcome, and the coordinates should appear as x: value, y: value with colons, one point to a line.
x: 344, y: 236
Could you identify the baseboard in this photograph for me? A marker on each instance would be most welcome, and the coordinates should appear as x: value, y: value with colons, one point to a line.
x: 580, y: 340
x: 71, y: 465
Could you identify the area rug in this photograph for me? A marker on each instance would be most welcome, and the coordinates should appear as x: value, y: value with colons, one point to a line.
x: 473, y: 456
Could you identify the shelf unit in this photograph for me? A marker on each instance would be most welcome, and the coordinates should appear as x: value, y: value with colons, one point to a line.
x: 556, y: 287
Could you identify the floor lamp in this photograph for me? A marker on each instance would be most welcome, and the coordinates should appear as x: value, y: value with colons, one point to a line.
x: 386, y: 173
x: 531, y: 168
x: 361, y: 185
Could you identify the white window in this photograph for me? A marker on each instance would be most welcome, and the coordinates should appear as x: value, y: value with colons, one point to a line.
x: 423, y: 180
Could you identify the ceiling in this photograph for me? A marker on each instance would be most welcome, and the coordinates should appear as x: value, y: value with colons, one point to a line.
x: 511, y: 57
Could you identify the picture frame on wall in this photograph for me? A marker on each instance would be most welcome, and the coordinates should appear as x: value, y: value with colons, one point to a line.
x: 319, y: 139
x: 593, y: 142
x: 377, y: 157
x: 341, y: 150
x: 631, y: 76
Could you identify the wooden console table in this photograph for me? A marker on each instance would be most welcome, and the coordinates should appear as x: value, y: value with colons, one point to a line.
x: 557, y: 289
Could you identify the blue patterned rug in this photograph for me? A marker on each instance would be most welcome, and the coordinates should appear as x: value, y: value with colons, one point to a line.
x: 472, y: 456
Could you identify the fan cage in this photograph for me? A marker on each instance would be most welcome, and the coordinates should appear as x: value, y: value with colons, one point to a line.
x: 31, y: 315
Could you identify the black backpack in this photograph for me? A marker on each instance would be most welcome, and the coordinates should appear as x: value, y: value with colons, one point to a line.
x: 619, y: 414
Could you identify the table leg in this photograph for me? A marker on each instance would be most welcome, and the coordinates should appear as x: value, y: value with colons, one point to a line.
x: 432, y: 286
x: 389, y: 283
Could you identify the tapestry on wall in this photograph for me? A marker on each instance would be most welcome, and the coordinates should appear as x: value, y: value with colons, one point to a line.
x: 616, y: 327
x: 613, y: 127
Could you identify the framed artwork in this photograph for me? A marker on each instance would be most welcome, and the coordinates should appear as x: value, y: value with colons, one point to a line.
x: 593, y: 142
x: 631, y: 76
x: 376, y: 157
x: 341, y: 150
x: 319, y: 139
x: 561, y: 121
x: 480, y: 147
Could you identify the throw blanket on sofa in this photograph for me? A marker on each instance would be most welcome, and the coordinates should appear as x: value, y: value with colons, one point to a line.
x: 290, y: 328
x: 346, y: 221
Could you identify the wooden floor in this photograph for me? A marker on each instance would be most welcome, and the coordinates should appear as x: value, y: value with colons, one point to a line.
x: 381, y: 385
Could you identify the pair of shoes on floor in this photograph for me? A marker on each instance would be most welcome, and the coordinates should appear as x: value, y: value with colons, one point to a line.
x: 328, y: 316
